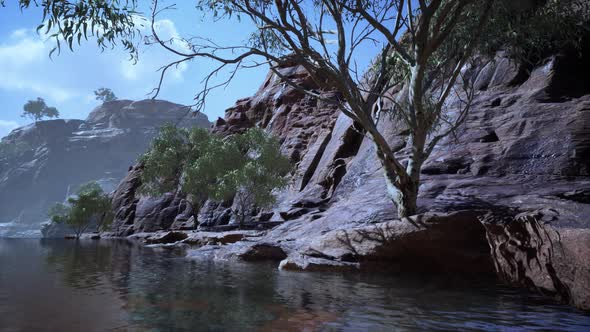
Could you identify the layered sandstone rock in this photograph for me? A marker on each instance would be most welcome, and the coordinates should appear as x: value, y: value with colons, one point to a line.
x: 535, y: 250
x: 524, y: 148
x: 56, y: 156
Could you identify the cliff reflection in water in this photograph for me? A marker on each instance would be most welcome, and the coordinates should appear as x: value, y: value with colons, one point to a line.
x: 62, y: 285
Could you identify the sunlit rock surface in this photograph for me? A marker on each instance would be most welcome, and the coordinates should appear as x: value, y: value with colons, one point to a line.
x: 54, y: 157
x: 524, y: 150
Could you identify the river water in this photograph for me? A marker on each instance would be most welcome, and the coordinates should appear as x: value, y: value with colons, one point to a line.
x: 60, y: 285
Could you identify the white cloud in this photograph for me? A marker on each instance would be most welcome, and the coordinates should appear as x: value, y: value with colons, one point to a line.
x: 6, y: 127
x: 18, y: 63
x: 68, y: 79
x: 19, y: 33
x: 21, y: 53
x: 155, y: 57
x: 55, y: 93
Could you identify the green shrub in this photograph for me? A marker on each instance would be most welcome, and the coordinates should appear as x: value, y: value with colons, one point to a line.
x: 90, y: 203
x: 247, y: 167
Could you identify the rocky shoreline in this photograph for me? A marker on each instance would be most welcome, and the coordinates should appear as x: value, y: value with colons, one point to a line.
x: 509, y: 195
x: 523, y: 250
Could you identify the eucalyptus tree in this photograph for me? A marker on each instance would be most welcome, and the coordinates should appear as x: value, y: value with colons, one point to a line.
x: 89, y: 205
x: 105, y: 95
x: 425, y: 51
x: 68, y: 23
x: 425, y: 47
x: 245, y: 167
x: 37, y: 110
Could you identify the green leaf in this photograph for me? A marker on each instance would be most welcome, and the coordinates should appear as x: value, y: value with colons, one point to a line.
x: 52, y: 51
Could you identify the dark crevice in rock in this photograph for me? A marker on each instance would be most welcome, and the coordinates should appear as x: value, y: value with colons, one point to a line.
x: 580, y: 196
x: 524, y: 72
x: 496, y: 102
x: 337, y: 174
x: 571, y: 78
x: 450, y: 166
x: 309, y: 203
x: 351, y: 142
x: 490, y: 138
x: 293, y: 213
x: 314, y: 163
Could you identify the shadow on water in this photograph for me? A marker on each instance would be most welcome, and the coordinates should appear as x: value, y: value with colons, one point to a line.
x: 51, y: 285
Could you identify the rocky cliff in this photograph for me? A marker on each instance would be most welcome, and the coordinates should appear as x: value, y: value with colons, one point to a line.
x: 510, y: 193
x: 50, y: 159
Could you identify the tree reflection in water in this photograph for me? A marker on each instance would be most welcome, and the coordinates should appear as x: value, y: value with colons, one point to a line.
x: 160, y: 289
x: 100, y: 285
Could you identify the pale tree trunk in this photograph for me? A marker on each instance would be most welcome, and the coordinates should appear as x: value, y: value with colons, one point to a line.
x: 402, y: 187
x: 403, y: 184
x: 404, y: 193
x: 405, y: 198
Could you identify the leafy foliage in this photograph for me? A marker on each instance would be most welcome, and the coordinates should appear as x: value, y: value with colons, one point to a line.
x: 527, y: 33
x: 105, y: 95
x: 67, y: 22
x: 426, y: 46
x: 37, y: 110
x: 90, y: 203
x: 166, y: 158
x: 247, y: 166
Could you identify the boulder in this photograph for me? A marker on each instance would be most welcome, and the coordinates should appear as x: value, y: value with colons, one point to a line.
x: 161, y: 237
x: 533, y: 250
x: 432, y: 242
x: 263, y: 251
x: 124, y: 202
x: 216, y: 238
x: 315, y: 264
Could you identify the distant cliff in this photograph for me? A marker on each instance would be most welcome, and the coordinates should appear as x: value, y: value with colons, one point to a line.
x: 48, y: 160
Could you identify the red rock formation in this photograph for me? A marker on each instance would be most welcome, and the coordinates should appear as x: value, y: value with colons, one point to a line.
x: 525, y: 148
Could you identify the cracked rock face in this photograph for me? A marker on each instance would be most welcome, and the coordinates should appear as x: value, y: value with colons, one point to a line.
x: 524, y: 148
x: 422, y: 243
x: 533, y: 250
x: 54, y: 157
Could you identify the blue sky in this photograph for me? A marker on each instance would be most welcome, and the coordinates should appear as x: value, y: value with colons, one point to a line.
x: 68, y: 80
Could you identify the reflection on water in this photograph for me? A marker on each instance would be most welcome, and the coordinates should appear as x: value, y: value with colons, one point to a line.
x: 15, y: 229
x: 102, y: 285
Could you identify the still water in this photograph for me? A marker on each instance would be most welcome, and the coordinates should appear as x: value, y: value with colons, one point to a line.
x: 60, y: 285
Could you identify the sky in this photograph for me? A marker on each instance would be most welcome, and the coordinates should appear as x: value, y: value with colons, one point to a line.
x: 67, y: 81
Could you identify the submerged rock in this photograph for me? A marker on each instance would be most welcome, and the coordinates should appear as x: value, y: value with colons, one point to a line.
x: 263, y: 251
x: 316, y: 264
